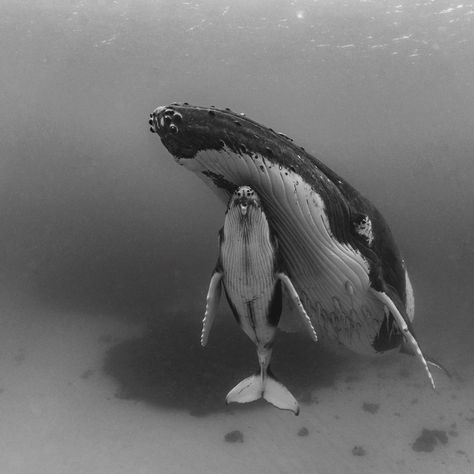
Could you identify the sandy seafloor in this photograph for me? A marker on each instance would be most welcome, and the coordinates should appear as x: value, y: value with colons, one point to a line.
x: 163, y: 410
x: 106, y: 246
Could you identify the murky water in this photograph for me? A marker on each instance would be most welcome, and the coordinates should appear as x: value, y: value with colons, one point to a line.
x: 107, y: 246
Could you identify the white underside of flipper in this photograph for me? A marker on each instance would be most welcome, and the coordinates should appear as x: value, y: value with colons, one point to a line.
x: 299, y: 305
x: 255, y: 387
x: 410, y: 298
x: 212, y: 304
x: 382, y: 296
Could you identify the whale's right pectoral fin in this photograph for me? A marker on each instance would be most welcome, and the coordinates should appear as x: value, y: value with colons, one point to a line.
x: 212, y: 304
x: 298, y: 304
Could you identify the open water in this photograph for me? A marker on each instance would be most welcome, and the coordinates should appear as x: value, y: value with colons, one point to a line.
x: 103, y: 238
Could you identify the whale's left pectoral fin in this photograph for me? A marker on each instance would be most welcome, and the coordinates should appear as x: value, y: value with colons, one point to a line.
x: 405, y: 348
x: 298, y: 304
x: 212, y: 304
x: 407, y: 334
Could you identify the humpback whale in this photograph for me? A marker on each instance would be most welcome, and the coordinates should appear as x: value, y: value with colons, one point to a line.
x: 335, y: 245
x: 249, y: 270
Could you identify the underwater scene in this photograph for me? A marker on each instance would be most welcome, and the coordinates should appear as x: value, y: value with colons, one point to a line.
x: 109, y: 236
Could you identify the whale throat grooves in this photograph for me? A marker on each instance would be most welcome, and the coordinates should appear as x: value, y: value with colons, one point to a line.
x: 333, y: 242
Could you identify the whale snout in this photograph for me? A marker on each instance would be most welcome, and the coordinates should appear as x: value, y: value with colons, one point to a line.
x: 165, y: 121
x: 243, y: 198
x: 175, y: 132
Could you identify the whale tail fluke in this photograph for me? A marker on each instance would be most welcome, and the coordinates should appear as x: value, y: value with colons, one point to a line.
x: 255, y: 387
x: 279, y: 396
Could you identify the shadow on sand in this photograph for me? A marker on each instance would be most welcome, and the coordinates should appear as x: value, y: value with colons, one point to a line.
x: 168, y: 367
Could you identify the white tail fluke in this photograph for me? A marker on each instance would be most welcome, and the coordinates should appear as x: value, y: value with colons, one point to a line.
x: 278, y: 395
x: 248, y: 390
x: 256, y: 387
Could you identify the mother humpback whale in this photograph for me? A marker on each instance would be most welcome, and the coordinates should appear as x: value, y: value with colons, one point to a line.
x: 336, y: 246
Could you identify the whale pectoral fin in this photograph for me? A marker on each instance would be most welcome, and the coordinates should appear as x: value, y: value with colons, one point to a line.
x: 289, y: 320
x: 212, y: 303
x: 406, y: 349
x: 438, y: 365
x: 407, y: 334
x: 298, y: 304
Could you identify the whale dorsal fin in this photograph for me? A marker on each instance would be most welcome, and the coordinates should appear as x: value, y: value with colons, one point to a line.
x: 212, y: 303
x: 298, y: 304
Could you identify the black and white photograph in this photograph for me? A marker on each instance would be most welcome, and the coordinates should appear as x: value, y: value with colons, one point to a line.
x: 236, y: 237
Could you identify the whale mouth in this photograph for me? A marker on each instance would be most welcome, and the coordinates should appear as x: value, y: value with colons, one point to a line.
x: 332, y: 259
x: 244, y: 197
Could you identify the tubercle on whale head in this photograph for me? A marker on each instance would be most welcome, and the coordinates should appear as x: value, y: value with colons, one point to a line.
x: 186, y: 130
x: 183, y: 131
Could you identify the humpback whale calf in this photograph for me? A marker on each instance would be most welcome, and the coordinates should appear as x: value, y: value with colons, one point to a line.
x: 249, y: 270
x: 335, y: 245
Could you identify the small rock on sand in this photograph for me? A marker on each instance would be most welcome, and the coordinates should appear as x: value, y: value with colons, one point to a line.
x: 358, y: 451
x: 235, y: 436
x: 429, y: 439
x: 303, y: 431
x: 371, y: 407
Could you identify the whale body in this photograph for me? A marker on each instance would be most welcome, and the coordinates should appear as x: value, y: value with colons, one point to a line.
x: 336, y: 246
